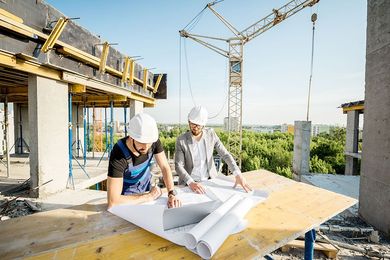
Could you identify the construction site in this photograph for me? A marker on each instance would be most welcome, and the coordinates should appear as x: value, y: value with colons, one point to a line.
x: 67, y: 97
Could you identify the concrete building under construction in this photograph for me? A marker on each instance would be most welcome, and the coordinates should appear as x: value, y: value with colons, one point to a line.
x: 49, y: 66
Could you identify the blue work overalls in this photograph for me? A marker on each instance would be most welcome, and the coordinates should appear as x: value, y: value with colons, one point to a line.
x: 136, y: 179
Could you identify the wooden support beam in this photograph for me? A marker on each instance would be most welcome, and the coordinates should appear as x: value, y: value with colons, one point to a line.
x: 99, y: 99
x: 62, y: 47
x: 125, y: 73
x: 108, y: 88
x: 132, y: 69
x: 103, y: 57
x: 329, y: 250
x: 145, y: 79
x: 155, y: 88
x: 353, y: 108
x: 55, y: 34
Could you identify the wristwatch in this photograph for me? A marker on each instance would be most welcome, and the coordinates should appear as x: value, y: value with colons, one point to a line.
x: 172, y: 193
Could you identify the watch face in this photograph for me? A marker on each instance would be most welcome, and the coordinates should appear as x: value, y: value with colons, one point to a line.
x: 172, y: 192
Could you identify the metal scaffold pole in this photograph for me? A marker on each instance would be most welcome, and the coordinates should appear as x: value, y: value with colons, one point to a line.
x: 112, y: 125
x: 6, y: 137
x: 70, y: 137
x: 85, y: 135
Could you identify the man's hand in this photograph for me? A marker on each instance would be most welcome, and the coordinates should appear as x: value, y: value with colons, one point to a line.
x: 197, y: 187
x: 240, y: 180
x: 173, y: 202
x: 155, y: 192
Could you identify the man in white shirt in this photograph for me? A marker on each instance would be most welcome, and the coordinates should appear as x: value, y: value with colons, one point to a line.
x: 194, y: 161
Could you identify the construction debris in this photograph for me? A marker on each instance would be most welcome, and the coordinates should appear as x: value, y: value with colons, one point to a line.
x: 349, y: 235
x: 13, y: 208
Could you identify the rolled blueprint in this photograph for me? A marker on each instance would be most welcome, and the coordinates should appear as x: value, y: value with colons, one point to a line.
x: 213, y: 239
x: 192, y: 237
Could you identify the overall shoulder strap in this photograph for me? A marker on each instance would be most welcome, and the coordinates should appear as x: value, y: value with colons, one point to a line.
x: 125, y: 151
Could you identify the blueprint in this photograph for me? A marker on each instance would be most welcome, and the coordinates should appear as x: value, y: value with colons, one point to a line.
x: 204, y: 221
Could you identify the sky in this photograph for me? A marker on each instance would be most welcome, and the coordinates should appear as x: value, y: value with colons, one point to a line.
x: 276, y: 64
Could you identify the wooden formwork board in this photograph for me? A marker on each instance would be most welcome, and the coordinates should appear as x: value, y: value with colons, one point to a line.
x: 88, y: 231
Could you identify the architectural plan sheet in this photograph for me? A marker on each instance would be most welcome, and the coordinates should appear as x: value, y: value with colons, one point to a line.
x: 204, y: 221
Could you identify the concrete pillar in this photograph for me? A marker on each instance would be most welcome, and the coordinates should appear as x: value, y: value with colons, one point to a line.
x: 77, y: 113
x: 135, y: 108
x: 21, y: 129
x: 351, y: 144
x: 301, y: 157
x: 374, y: 195
x: 48, y: 114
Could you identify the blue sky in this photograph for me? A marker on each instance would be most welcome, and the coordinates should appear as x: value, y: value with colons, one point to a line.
x: 276, y: 63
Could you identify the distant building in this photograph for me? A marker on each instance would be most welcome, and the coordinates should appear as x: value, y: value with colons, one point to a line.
x: 234, y: 124
x: 286, y: 128
x: 318, y: 129
x: 263, y: 129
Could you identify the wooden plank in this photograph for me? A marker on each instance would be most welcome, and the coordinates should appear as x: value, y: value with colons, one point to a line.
x: 88, y: 231
x: 329, y: 250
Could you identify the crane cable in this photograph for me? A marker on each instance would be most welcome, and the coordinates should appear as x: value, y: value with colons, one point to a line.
x: 313, y: 19
x: 190, y: 85
x: 190, y: 26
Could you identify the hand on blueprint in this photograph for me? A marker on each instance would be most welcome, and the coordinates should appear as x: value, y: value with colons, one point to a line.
x: 155, y: 192
x: 240, y: 180
x: 173, y: 202
x: 197, y: 187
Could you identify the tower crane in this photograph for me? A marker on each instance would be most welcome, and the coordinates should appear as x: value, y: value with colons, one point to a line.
x: 235, y: 55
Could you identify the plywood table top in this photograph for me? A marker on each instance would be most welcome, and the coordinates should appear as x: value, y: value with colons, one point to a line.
x: 89, y: 231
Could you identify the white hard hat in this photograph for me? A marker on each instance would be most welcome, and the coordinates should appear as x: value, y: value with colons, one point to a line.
x: 198, y: 115
x: 143, y: 129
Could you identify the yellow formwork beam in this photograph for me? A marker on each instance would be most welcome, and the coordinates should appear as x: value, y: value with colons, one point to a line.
x: 157, y: 84
x: 11, y: 16
x: 9, y: 60
x: 78, y: 88
x: 99, y: 99
x: 125, y: 73
x: 132, y: 69
x: 353, y: 108
x: 65, y: 48
x: 103, y: 57
x: 145, y: 79
x: 55, y: 34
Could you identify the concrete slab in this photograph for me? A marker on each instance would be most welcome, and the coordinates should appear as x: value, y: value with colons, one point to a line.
x: 343, y: 184
x: 69, y: 198
x: 20, y: 171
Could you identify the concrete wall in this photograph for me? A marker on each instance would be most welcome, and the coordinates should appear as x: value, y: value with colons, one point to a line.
x: 48, y: 114
x: 301, y: 157
x: 374, y: 199
x: 21, y: 128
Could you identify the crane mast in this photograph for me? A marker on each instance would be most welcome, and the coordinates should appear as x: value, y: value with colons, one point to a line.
x: 235, y: 55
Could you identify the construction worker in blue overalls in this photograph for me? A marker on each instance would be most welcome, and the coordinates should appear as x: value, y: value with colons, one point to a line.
x: 129, y: 177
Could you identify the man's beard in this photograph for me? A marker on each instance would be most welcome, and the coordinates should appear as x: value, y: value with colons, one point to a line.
x: 196, y: 132
x: 141, y: 151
